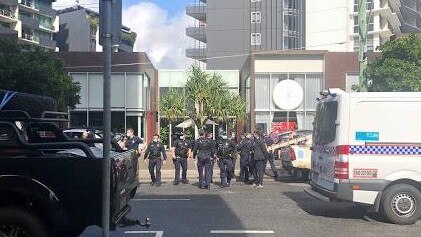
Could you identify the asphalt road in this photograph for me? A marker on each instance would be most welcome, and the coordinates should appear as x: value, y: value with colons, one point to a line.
x: 278, y: 209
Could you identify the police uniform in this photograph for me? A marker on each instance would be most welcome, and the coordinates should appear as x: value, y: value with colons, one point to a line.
x: 269, y: 142
x: 246, y: 148
x: 204, y: 151
x: 226, y: 152
x: 153, y: 153
x: 181, y: 148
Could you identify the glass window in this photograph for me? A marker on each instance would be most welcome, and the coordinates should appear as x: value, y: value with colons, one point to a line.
x: 81, y: 78
x: 117, y: 121
x: 256, y: 17
x: 262, y: 97
x: 117, y: 93
x: 299, y: 78
x: 312, y: 90
x: 256, y: 39
x: 134, y: 91
x: 96, y: 82
x: 95, y: 119
x: 325, y: 123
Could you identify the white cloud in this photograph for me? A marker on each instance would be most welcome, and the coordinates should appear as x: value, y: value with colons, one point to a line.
x: 160, y: 35
x: 90, y: 4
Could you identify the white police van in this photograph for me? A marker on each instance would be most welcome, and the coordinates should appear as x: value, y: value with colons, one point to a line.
x: 367, y: 150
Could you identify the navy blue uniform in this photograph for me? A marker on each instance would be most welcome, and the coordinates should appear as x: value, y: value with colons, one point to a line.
x: 225, y: 153
x: 246, y: 149
x: 153, y: 153
x: 271, y: 158
x: 260, y: 157
x: 180, y: 160
x: 204, y: 150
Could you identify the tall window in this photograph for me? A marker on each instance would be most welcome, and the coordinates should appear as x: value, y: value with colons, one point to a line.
x: 256, y: 39
x: 256, y: 17
x: 370, y: 23
x: 370, y: 5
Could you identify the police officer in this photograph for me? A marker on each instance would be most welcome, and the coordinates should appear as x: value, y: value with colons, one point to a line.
x: 180, y: 152
x: 235, y: 154
x: 226, y: 151
x: 245, y: 148
x: 203, y: 151
x: 269, y: 142
x: 153, y: 153
x: 260, y: 157
x: 213, y: 159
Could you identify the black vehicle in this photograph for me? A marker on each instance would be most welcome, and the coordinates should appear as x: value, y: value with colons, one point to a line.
x: 50, y: 185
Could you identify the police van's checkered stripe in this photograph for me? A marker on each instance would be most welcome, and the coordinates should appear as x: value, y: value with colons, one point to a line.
x: 386, y: 150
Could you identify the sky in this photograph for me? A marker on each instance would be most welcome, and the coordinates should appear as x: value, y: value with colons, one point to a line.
x: 160, y: 26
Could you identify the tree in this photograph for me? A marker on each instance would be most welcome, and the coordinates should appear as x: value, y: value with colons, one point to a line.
x: 210, y: 98
x: 172, y: 106
x: 399, y: 67
x: 38, y: 72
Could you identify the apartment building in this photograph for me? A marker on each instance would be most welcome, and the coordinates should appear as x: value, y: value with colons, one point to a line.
x: 333, y: 25
x: 31, y: 22
x: 79, y: 31
x: 227, y: 31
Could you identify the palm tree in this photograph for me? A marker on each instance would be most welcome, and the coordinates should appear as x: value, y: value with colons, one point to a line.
x: 210, y: 98
x: 172, y: 106
x: 198, y: 93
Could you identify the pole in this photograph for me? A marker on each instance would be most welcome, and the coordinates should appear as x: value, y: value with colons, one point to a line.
x: 106, y: 176
x: 287, y: 120
x: 362, y: 30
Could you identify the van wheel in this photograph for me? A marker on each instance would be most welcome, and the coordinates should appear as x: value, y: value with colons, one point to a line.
x: 401, y: 204
x: 18, y: 222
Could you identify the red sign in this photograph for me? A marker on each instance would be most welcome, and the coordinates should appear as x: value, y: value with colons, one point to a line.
x: 281, y: 127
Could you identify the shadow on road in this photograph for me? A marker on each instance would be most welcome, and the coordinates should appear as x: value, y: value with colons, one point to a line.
x: 186, y: 218
x: 342, y: 210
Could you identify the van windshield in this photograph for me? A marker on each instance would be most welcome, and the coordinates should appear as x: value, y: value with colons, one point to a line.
x: 325, y: 122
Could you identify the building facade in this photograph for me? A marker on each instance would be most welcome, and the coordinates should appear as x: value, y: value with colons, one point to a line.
x: 333, y: 25
x: 314, y: 71
x: 133, y: 95
x: 31, y: 22
x: 177, y: 79
x: 227, y: 31
x: 79, y: 31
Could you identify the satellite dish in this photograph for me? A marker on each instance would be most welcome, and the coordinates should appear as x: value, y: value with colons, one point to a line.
x: 288, y: 95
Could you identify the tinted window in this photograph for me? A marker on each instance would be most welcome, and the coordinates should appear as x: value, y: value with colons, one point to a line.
x: 325, y: 126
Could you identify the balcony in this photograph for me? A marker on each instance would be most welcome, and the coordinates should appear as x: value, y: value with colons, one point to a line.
x: 197, y: 33
x: 7, y: 16
x: 8, y: 32
x: 197, y: 12
x: 392, y: 18
x: 29, y: 22
x: 47, y: 43
x: 28, y: 38
x: 9, y: 3
x: 28, y: 6
x: 196, y: 53
x: 47, y: 28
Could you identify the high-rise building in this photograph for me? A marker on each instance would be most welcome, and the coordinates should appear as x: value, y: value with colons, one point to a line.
x: 227, y: 31
x: 79, y: 28
x: 333, y: 25
x: 31, y: 22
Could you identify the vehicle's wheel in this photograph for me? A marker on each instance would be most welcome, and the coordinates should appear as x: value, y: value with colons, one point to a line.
x: 401, y: 204
x: 17, y: 222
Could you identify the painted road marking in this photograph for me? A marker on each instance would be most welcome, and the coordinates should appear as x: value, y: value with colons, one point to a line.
x: 162, y: 199
x: 242, y: 232
x: 157, y: 233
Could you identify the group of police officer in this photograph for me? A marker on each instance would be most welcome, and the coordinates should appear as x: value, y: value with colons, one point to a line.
x: 206, y: 153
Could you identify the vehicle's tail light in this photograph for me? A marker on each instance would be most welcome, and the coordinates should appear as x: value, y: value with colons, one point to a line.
x: 341, y: 162
x: 292, y: 155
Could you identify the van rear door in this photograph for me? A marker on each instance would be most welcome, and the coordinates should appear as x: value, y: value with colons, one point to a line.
x: 324, y: 144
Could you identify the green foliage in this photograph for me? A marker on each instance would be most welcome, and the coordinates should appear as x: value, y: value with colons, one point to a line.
x: 399, y: 67
x: 211, y: 98
x: 163, y: 134
x: 173, y: 105
x: 36, y: 72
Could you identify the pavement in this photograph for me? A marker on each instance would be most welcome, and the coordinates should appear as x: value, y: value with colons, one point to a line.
x: 278, y: 209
